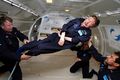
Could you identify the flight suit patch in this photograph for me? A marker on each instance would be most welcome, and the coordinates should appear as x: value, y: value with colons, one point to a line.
x: 82, y: 32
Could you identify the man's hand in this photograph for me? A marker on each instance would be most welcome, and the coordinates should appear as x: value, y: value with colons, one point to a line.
x: 25, y: 57
x: 26, y: 41
x: 62, y: 40
x: 78, y: 59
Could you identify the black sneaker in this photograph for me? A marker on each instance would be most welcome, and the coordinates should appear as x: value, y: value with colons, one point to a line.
x: 94, y: 72
x: 75, y: 67
x: 90, y: 75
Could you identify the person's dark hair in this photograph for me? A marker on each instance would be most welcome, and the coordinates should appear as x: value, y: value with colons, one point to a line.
x: 96, y: 19
x: 4, y: 18
x: 118, y: 59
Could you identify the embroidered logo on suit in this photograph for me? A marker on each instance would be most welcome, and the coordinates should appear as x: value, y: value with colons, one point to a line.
x: 82, y: 32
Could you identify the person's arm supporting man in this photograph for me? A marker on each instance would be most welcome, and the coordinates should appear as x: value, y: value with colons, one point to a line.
x: 25, y: 40
x: 99, y: 57
x: 21, y: 36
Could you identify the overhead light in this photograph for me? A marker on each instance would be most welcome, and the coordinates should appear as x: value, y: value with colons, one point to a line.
x: 49, y: 1
x: 113, y: 12
x: 108, y: 13
x: 67, y: 10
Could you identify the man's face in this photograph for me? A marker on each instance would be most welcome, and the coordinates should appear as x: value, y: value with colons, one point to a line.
x: 7, y: 26
x: 89, y: 22
x: 111, y: 59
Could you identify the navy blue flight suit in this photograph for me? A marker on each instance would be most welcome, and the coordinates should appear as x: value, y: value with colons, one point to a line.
x: 85, y: 56
x: 9, y: 44
x: 105, y: 73
x: 50, y: 44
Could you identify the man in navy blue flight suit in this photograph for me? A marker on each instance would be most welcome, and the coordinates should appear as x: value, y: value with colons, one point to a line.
x: 75, y: 31
x: 109, y: 65
x: 9, y: 44
x: 83, y: 57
